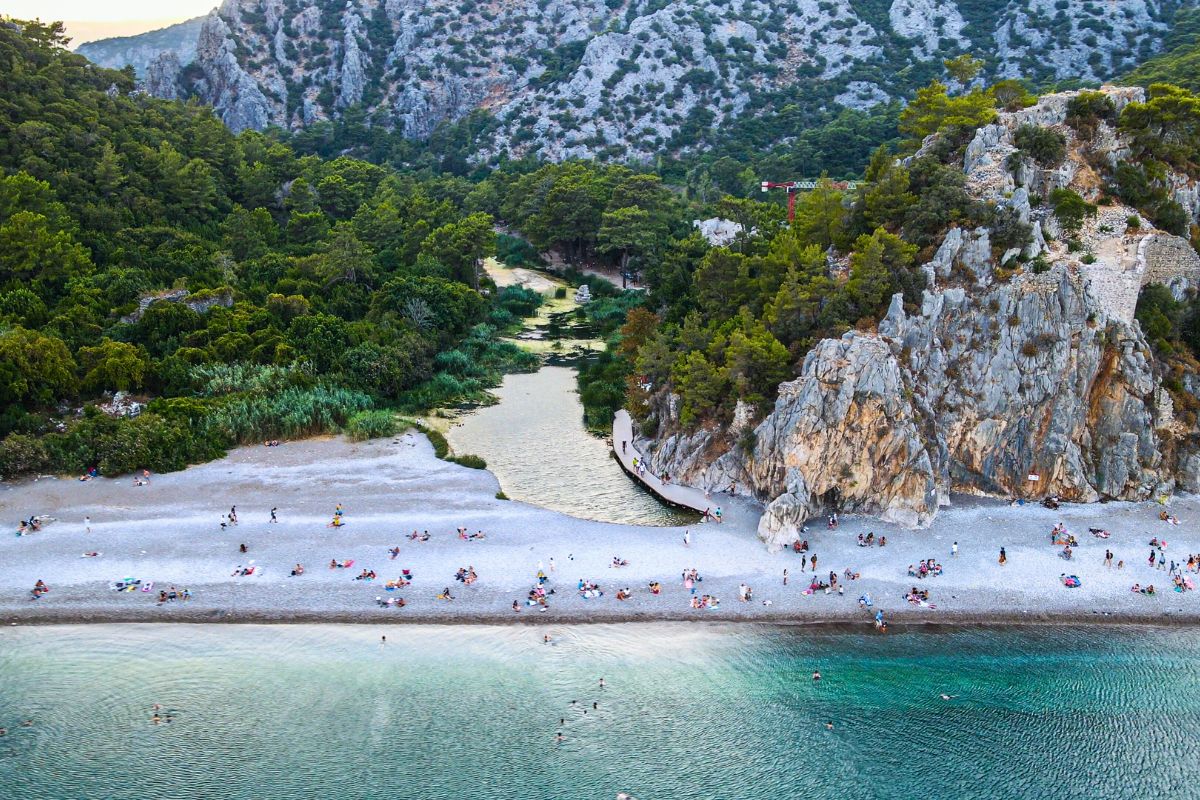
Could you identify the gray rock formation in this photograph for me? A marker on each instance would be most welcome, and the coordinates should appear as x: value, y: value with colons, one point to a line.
x: 141, y: 50
x: 618, y: 78
x: 1026, y: 385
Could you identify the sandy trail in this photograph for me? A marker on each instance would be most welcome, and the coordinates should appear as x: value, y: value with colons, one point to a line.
x: 169, y: 533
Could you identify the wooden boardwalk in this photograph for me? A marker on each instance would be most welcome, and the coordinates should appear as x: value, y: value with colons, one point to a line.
x: 673, y: 493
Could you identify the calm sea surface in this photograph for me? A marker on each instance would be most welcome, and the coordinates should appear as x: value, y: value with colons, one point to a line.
x: 689, y: 710
x: 535, y: 442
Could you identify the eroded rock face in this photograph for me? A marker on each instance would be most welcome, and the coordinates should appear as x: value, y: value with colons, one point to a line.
x: 577, y: 78
x: 1026, y: 385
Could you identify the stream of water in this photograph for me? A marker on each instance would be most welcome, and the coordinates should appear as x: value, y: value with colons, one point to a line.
x: 535, y: 442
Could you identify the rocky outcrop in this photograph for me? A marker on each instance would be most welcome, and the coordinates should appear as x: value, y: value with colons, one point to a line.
x: 1025, y: 381
x: 199, y: 302
x: 621, y: 78
x: 142, y: 50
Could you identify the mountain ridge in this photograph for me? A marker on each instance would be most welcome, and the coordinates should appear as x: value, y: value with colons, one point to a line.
x: 625, y: 79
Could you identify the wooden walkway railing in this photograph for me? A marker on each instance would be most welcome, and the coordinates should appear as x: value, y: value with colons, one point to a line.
x: 673, y: 493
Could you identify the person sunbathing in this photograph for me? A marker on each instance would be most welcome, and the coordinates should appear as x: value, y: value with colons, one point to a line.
x: 445, y: 594
x: 619, y: 562
x: 623, y: 594
x: 655, y: 587
x: 298, y: 570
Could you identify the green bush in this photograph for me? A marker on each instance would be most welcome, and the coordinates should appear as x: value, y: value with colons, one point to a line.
x: 1045, y: 146
x: 471, y: 461
x: 372, y: 425
x: 1070, y: 209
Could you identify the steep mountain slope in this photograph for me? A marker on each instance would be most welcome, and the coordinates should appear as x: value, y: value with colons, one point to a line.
x: 143, y: 48
x: 627, y: 78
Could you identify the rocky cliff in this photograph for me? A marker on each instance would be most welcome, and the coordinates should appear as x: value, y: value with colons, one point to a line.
x: 1009, y: 381
x: 138, y: 51
x: 625, y: 78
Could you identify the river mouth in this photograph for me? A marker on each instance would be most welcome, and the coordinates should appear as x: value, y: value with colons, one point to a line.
x: 535, y: 442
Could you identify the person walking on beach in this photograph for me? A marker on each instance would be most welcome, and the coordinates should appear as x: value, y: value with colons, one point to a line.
x: 1108, y: 558
x: 233, y: 515
x: 273, y: 517
x: 552, y: 563
x: 785, y: 576
x: 954, y: 549
x: 814, y: 563
x: 687, y: 538
x: 1152, y: 559
x: 87, y: 523
x: 1162, y: 561
x: 1003, y: 557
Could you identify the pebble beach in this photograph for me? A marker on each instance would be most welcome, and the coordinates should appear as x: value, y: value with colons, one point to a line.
x: 168, y: 533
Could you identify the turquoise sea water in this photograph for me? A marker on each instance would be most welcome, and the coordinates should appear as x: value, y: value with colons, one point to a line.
x: 689, y: 711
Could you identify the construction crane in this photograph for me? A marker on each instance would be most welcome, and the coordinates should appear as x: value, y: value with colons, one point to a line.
x: 794, y: 187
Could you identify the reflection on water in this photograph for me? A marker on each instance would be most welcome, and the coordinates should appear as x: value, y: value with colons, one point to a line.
x: 535, y: 443
x: 689, y: 710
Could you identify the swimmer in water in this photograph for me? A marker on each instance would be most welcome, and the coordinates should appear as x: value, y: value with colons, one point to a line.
x: 27, y: 723
x: 558, y: 737
x: 383, y: 640
x: 602, y: 683
x: 595, y: 706
x: 156, y: 719
x: 829, y: 725
x: 816, y: 675
x: 546, y: 639
x: 949, y: 696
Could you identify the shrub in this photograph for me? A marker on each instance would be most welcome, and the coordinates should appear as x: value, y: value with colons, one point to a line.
x: 372, y: 425
x: 1045, y: 146
x: 1088, y: 258
x: 1133, y: 221
x: 1030, y: 348
x: 468, y: 460
x: 1070, y: 209
x: 501, y: 495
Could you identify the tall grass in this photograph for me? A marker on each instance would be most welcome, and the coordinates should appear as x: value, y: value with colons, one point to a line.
x: 290, y: 413
x: 213, y: 380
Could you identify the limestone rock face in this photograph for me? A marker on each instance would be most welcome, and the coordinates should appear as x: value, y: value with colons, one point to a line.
x: 1030, y: 381
x: 623, y: 79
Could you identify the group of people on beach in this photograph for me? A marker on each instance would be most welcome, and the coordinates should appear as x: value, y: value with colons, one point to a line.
x: 927, y: 568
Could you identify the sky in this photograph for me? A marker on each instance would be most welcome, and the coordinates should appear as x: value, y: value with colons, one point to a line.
x: 109, y: 11
x: 87, y: 20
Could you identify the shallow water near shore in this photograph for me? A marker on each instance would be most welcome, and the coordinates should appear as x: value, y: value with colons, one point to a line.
x: 535, y: 443
x: 691, y: 710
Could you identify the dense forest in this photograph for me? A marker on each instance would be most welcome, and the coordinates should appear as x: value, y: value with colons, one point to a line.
x: 250, y: 291
x: 262, y: 285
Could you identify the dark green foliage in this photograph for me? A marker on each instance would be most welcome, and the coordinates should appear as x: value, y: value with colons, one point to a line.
x: 1045, y: 146
x: 316, y: 288
x: 1070, y: 209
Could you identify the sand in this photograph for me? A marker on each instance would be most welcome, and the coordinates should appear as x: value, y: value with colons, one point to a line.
x: 168, y: 532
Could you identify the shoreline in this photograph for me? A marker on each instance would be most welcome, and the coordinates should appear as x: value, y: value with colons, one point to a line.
x: 169, y: 533
x: 898, y: 619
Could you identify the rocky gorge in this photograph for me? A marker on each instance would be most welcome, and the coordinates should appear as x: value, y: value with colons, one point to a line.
x: 1008, y: 381
x: 620, y: 78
